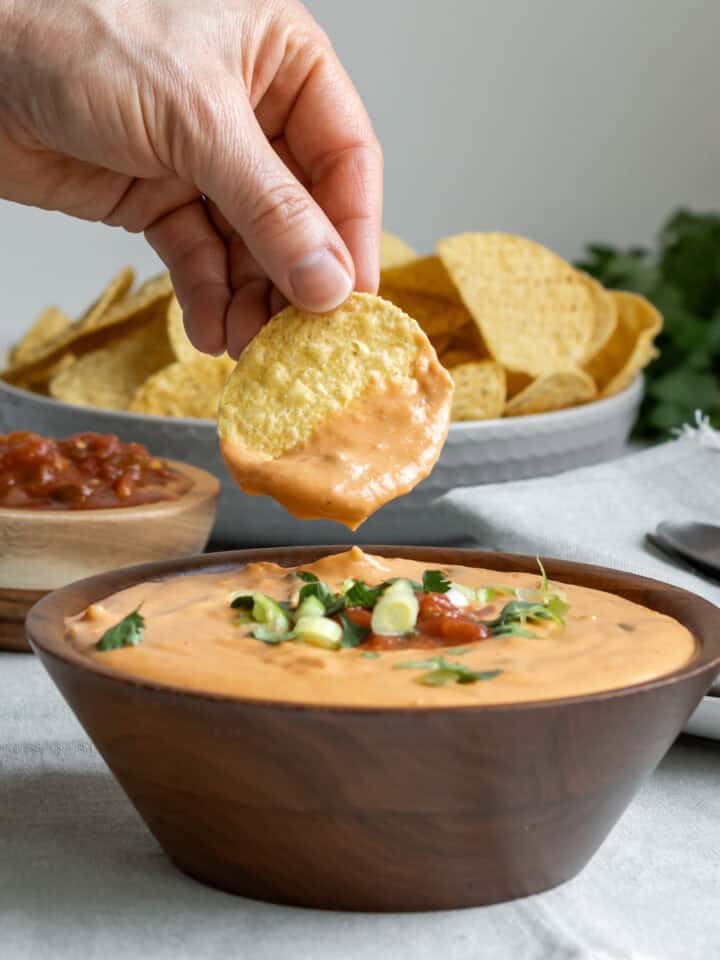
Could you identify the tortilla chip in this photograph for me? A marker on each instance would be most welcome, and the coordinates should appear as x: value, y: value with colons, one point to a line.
x: 605, y: 315
x: 98, y: 327
x: 479, y: 391
x: 630, y: 348
x: 516, y: 382
x: 554, y: 392
x: 110, y: 376
x: 422, y: 288
x: 453, y: 358
x: 440, y: 341
x: 468, y: 338
x: 302, y: 369
x: 394, y: 251
x: 534, y: 313
x: 179, y: 340
x: 188, y: 388
x: 50, y: 324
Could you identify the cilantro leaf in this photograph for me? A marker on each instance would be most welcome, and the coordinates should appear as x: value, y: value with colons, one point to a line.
x: 442, y: 671
x: 518, y: 612
x: 681, y: 277
x: 435, y: 581
x: 127, y: 633
x: 306, y: 576
x: 361, y: 595
x: 370, y: 655
x: 353, y: 633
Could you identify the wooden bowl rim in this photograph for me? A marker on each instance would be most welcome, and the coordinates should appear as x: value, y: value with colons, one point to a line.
x: 205, y: 485
x: 45, y: 634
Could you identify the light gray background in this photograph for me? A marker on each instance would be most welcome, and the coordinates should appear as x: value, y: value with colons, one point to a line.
x: 567, y: 120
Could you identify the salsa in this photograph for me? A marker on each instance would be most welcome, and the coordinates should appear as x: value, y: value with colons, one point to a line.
x: 87, y: 471
x: 440, y: 623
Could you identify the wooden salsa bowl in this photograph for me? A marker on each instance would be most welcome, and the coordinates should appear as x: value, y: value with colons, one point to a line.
x: 41, y: 550
x: 380, y: 808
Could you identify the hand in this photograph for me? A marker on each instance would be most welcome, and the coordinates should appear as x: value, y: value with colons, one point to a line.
x: 226, y: 130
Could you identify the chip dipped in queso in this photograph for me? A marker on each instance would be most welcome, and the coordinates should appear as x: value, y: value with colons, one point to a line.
x: 358, y: 630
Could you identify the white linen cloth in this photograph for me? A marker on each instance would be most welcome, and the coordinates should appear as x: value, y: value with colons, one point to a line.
x: 81, y: 877
x: 601, y: 514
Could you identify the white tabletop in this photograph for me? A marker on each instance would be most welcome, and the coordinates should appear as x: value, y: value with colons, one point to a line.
x: 81, y: 876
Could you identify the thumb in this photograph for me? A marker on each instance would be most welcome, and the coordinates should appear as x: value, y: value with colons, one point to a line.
x: 286, y: 231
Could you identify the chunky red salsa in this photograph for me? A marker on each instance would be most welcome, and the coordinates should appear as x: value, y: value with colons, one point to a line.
x: 87, y: 471
x: 440, y: 623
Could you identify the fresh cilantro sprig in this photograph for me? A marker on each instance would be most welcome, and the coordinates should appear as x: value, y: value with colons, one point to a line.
x: 680, y: 275
x: 127, y: 633
x: 514, y: 615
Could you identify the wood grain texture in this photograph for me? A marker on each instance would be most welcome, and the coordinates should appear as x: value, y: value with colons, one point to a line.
x: 45, y: 549
x: 14, y: 607
x: 379, y: 809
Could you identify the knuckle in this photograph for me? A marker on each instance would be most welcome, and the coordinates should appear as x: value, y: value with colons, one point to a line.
x: 277, y: 210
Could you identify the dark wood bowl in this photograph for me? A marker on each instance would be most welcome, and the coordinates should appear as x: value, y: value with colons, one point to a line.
x: 378, y: 809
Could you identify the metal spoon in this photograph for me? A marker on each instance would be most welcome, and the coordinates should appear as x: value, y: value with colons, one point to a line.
x: 696, y: 543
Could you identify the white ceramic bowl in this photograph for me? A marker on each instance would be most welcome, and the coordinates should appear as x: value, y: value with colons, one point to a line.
x: 482, y: 451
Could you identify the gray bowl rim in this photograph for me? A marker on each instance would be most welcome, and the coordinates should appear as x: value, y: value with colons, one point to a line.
x: 570, y: 415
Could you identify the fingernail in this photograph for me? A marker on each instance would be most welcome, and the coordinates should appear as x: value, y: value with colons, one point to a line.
x: 319, y: 282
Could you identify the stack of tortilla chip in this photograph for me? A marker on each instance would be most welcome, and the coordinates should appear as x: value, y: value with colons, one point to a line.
x: 128, y: 351
x: 520, y: 330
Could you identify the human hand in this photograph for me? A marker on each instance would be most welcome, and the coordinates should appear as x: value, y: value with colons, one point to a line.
x: 226, y: 130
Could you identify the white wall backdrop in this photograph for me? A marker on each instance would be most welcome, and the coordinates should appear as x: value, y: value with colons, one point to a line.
x: 567, y: 120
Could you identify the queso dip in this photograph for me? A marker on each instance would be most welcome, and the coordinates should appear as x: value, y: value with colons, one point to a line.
x: 359, y: 630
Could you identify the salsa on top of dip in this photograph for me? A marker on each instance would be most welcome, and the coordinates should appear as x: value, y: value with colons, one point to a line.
x: 353, y: 629
x: 87, y: 471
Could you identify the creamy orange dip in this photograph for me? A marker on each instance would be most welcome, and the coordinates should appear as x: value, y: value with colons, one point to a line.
x: 190, y: 641
x: 377, y: 449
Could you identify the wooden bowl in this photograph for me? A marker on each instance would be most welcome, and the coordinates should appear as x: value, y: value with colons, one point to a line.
x: 378, y: 808
x: 41, y: 550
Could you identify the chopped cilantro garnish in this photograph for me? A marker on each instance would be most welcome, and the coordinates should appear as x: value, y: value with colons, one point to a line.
x: 127, y: 633
x: 435, y: 581
x: 520, y: 611
x: 442, y: 671
x: 370, y: 655
x: 353, y: 633
x: 359, y: 594
x: 306, y: 576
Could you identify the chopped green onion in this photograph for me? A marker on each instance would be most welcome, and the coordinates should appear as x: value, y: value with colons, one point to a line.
x: 396, y: 611
x: 319, y: 632
x: 270, y: 637
x: 310, y: 607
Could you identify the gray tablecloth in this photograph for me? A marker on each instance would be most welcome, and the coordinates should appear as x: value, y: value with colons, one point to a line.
x: 81, y: 877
